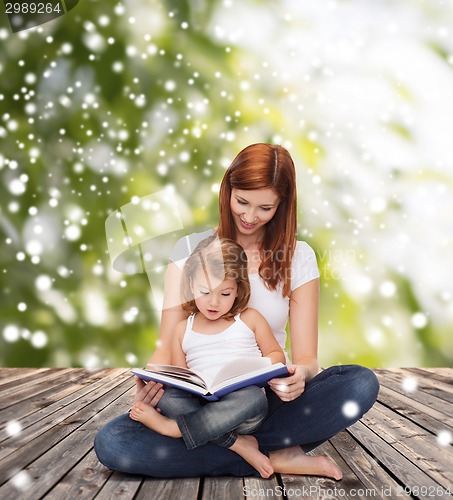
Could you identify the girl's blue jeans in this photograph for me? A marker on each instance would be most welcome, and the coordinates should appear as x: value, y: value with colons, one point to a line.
x: 316, y: 415
x: 239, y: 412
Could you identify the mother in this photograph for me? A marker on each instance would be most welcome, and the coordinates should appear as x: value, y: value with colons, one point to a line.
x: 257, y: 209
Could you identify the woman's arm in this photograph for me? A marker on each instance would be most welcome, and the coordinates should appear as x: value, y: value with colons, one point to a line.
x: 265, y: 339
x: 172, y: 314
x: 303, y: 323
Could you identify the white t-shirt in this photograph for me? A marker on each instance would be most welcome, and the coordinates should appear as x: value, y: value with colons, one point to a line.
x: 270, y: 303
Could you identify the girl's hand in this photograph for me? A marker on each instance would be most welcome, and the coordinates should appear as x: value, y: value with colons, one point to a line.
x: 149, y: 393
x: 289, y: 388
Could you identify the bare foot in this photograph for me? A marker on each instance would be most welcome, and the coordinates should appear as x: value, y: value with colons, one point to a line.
x: 247, y: 448
x: 294, y: 461
x: 150, y: 417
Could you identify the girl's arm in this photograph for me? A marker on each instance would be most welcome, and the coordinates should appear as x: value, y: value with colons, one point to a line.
x: 264, y: 336
x: 303, y: 323
x: 177, y: 354
x: 172, y: 314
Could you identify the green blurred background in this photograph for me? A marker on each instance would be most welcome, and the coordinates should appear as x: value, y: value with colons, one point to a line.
x: 118, y: 100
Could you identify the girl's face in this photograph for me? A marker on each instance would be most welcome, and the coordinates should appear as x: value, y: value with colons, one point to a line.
x: 214, y: 303
x: 251, y: 210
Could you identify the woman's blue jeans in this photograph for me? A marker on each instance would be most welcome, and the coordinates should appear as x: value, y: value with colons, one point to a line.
x: 239, y: 412
x: 316, y: 415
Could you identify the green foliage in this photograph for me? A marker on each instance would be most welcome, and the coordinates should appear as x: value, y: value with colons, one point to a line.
x: 99, y: 109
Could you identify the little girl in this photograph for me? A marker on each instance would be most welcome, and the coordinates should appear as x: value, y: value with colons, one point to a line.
x: 215, y: 290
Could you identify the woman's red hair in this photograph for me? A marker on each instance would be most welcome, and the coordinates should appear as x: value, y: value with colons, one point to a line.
x: 263, y: 166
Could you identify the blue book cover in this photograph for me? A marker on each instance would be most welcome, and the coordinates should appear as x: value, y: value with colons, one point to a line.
x: 241, y: 373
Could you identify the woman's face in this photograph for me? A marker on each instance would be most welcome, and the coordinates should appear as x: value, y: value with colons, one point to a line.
x: 251, y: 210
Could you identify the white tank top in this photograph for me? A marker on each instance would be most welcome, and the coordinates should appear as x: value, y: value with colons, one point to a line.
x: 270, y: 303
x: 207, y: 353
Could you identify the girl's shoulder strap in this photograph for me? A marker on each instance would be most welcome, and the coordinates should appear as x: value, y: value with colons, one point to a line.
x: 190, y: 321
x: 247, y: 321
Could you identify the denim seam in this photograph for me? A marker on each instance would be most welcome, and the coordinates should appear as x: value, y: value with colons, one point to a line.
x: 188, y: 440
x: 229, y: 440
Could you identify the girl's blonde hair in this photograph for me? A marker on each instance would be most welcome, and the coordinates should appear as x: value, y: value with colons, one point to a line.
x: 217, y: 258
x: 261, y: 166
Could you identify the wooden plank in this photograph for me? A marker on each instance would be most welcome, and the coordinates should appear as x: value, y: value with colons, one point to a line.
x: 441, y: 390
x: 416, y: 444
x: 394, y: 382
x: 422, y: 415
x: 444, y: 375
x: 55, y: 447
x: 160, y: 489
x: 222, y: 488
x: 19, y: 375
x: 46, y: 400
x: 314, y: 487
x: 401, y: 468
x: 83, y: 481
x: 73, y: 411
x: 364, y: 466
x: 31, y: 378
x: 36, y: 385
x: 47, y: 470
x: 116, y: 485
x: 120, y: 486
x: 430, y: 380
x: 47, y: 419
x: 23, y: 454
x: 257, y: 487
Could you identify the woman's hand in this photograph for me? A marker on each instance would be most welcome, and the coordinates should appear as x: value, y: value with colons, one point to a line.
x: 289, y: 388
x: 149, y: 393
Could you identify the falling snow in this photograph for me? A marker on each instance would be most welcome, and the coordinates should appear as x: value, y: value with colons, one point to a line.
x: 22, y: 480
x: 39, y: 339
x: 374, y: 179
x: 13, y: 428
x: 409, y: 384
x: 131, y: 358
x: 350, y: 409
x: 444, y: 438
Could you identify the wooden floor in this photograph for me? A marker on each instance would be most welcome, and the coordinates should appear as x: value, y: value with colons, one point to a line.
x: 48, y: 419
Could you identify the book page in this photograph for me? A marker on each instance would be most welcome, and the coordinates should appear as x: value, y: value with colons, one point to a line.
x: 238, y: 367
x: 171, y: 380
x: 177, y: 372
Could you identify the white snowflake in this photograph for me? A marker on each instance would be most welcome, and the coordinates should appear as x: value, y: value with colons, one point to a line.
x: 409, y: 384
x: 11, y: 333
x: 444, y: 438
x: 13, y: 428
x: 22, y: 480
x: 350, y: 409
x: 39, y: 339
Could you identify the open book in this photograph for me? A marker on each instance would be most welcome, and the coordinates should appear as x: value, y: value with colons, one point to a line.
x: 231, y: 377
